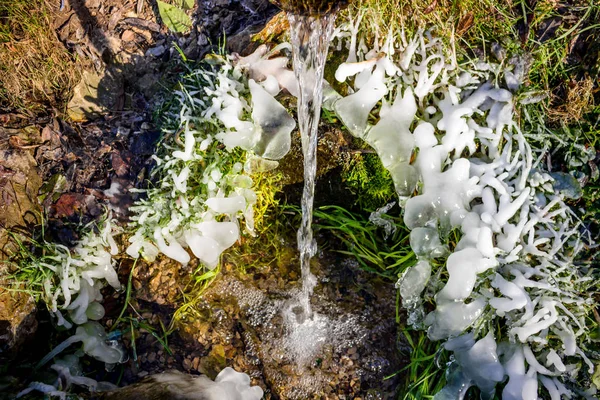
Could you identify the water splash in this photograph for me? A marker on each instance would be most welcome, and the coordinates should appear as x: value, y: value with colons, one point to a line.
x: 310, y: 40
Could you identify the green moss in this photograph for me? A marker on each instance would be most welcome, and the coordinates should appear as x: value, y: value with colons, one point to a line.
x: 366, y: 177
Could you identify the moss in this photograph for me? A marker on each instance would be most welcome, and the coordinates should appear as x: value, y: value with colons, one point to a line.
x: 266, y: 185
x: 367, y: 178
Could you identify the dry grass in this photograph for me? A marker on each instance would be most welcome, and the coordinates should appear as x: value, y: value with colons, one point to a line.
x: 579, y: 101
x: 472, y: 20
x: 36, y: 71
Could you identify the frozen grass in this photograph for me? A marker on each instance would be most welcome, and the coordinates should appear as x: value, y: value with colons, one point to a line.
x: 567, y: 116
x: 36, y: 71
x: 564, y: 58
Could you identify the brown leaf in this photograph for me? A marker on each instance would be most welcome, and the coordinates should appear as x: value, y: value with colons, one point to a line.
x: 16, y: 142
x: 128, y: 36
x: 71, y: 157
x: 465, y: 23
x: 68, y: 204
x: 120, y: 163
x: 430, y: 7
x: 104, y: 149
x: 46, y: 133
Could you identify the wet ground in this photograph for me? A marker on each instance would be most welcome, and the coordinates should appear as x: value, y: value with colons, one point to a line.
x: 242, y: 320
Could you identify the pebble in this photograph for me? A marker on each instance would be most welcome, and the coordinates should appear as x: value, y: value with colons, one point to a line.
x: 156, y: 51
x: 128, y: 36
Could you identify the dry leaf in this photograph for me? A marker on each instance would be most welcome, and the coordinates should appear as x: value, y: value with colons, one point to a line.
x: 465, y: 22
x: 430, y: 7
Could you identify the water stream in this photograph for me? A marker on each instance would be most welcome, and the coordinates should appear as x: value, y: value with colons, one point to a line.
x: 310, y: 40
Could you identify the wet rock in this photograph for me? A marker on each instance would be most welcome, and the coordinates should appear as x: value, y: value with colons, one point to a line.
x: 232, y: 17
x: 274, y: 29
x: 346, y: 353
x: 330, y: 154
x: 163, y: 281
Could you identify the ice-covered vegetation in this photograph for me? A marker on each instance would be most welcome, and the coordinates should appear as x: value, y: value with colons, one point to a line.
x: 78, y: 274
x: 71, y: 289
x: 224, y: 125
x: 507, y: 297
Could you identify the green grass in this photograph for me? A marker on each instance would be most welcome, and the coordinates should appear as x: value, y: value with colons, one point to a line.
x: 424, y: 375
x: 366, y: 241
x: 26, y: 272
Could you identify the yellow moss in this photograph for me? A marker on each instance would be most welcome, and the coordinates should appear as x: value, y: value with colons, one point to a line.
x: 266, y: 186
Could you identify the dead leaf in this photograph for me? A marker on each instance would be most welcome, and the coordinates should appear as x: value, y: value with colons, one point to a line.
x: 47, y: 134
x: 465, y: 23
x: 104, y: 149
x: 128, y: 36
x: 68, y: 204
x: 16, y: 142
x: 430, y: 7
x: 120, y: 164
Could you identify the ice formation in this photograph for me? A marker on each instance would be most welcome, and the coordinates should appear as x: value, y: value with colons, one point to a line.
x: 228, y: 385
x: 72, y: 291
x: 203, y: 190
x: 69, y: 373
x: 449, y: 133
x: 79, y: 274
x: 95, y: 344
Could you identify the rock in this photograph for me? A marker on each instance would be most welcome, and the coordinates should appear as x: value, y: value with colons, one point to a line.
x: 128, y: 36
x: 172, y: 385
x: 96, y: 93
x: 345, y: 353
x: 19, y: 186
x: 156, y: 51
x: 329, y: 156
x: 275, y: 28
x: 231, y: 17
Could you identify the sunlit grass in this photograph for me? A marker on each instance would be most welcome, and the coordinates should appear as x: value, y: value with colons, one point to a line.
x: 36, y: 70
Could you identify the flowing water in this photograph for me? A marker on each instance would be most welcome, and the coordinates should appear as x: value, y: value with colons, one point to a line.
x: 310, y: 41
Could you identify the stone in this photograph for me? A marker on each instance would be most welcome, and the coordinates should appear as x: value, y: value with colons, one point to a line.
x: 128, y: 36
x: 156, y: 51
x: 96, y: 93
x: 19, y: 186
x: 17, y: 322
